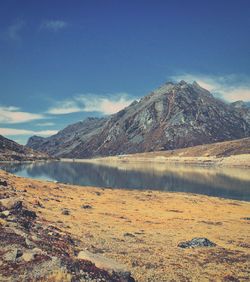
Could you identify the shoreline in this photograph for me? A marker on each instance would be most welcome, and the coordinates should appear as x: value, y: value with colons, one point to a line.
x: 142, y: 229
x: 239, y: 161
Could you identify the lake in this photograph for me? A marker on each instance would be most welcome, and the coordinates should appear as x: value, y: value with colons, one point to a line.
x: 229, y: 183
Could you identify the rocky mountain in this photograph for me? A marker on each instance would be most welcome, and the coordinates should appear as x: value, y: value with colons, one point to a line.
x: 68, y: 139
x: 176, y: 115
x: 12, y: 151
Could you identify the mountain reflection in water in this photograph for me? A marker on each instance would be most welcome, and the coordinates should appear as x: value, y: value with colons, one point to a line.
x: 227, y: 183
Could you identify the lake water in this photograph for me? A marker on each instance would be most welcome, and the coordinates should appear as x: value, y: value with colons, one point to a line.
x: 229, y: 183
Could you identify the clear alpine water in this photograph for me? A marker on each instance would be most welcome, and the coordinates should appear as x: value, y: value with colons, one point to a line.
x: 229, y: 183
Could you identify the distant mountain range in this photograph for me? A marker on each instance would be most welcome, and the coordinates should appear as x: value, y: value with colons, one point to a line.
x: 12, y: 151
x: 176, y: 115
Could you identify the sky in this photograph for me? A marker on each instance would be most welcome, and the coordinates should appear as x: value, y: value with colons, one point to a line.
x: 62, y: 61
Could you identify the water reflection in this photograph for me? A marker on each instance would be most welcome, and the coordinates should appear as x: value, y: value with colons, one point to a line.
x: 227, y: 183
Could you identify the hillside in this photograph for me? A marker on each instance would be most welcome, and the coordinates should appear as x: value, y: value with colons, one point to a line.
x: 219, y: 149
x: 234, y: 153
x: 173, y: 116
x: 12, y: 151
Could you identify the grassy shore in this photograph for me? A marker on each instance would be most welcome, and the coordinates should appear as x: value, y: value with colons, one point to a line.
x: 142, y: 229
x: 239, y: 161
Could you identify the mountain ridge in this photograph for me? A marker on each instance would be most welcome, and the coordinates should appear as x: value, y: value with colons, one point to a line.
x: 12, y: 151
x: 175, y: 115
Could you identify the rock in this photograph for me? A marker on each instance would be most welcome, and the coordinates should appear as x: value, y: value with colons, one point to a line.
x: 39, y: 204
x: 29, y: 243
x: 128, y: 235
x: 65, y: 212
x: 19, y: 253
x: 30, y: 214
x: 30, y: 255
x: 27, y: 256
x: 4, y: 214
x: 86, y: 207
x: 197, y: 243
x: 12, y: 254
x: 17, y: 206
x: 3, y: 183
x: 106, y: 264
x: 10, y: 204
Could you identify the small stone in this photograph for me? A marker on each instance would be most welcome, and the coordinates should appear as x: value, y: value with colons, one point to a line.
x: 65, y: 212
x: 39, y: 204
x: 4, y: 214
x: 3, y: 183
x: 11, y: 255
x: 30, y: 255
x: 19, y: 253
x: 86, y: 207
x: 29, y: 243
x: 107, y: 264
x: 128, y: 235
x: 18, y: 205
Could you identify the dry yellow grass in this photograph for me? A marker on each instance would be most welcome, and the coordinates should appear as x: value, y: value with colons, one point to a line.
x: 142, y: 229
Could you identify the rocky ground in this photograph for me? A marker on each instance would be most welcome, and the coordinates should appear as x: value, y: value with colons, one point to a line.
x: 57, y: 232
x: 33, y: 249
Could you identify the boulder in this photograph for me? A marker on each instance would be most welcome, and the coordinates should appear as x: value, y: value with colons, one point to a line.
x: 107, y: 264
x: 10, y: 203
x: 31, y: 254
x: 196, y: 243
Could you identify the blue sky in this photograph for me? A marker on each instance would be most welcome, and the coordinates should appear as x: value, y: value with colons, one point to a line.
x: 61, y: 61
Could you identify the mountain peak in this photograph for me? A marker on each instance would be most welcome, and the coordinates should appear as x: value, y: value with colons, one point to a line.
x: 239, y: 104
x: 182, y: 82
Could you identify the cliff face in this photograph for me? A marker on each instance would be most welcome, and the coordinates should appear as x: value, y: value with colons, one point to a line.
x: 173, y: 116
x: 12, y: 151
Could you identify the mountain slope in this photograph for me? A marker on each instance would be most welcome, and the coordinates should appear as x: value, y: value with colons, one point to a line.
x: 66, y: 140
x: 173, y: 116
x: 218, y: 150
x: 12, y: 151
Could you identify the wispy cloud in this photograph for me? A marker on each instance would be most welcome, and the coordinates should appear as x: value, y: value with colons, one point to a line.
x: 45, y: 124
x: 65, y: 107
x: 53, y: 25
x: 13, y: 31
x: 15, y: 132
x: 229, y: 87
x: 15, y: 115
x: 108, y: 104
x: 105, y: 105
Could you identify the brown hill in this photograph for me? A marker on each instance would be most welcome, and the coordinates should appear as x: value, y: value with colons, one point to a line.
x: 12, y: 151
x: 219, y: 149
